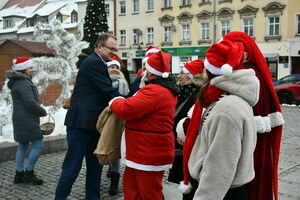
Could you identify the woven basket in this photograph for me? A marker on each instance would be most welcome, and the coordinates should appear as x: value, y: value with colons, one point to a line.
x: 48, y: 127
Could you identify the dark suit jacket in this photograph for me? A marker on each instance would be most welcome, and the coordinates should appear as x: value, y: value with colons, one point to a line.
x: 93, y: 90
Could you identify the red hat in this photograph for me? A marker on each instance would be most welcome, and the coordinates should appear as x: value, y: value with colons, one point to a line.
x: 267, y: 107
x: 22, y: 63
x: 159, y: 64
x: 192, y: 68
x: 223, y: 57
x: 151, y: 50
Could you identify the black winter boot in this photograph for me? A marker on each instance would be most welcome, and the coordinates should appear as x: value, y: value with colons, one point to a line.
x: 114, y: 182
x: 19, y: 177
x: 31, y: 178
x: 108, y: 172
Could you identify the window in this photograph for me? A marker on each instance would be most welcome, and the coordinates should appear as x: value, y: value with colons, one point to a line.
x: 150, y: 5
x: 248, y: 27
x: 225, y: 27
x: 135, y: 6
x: 30, y: 22
x: 107, y: 9
x: 185, y: 32
x: 59, y: 17
x: 204, y: 1
x: 205, y: 31
x: 273, y: 26
x: 122, y: 7
x: 44, y: 19
x: 185, y: 2
x: 123, y: 37
x: 135, y: 36
x: 298, y: 25
x: 167, y: 34
x: 185, y: 59
x: 167, y: 3
x: 74, y: 17
x: 8, y: 23
x: 150, y: 35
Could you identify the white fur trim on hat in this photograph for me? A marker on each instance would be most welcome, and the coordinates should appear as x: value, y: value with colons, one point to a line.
x: 145, y: 60
x: 212, y: 69
x: 187, y: 72
x: 185, y: 189
x: 226, y: 69
x: 24, y: 65
x: 152, y: 50
x: 152, y: 70
x: 113, y: 62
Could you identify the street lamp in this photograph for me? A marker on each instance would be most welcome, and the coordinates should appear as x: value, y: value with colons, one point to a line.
x: 139, y: 48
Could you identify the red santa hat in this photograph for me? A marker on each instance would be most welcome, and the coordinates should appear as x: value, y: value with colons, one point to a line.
x: 271, y: 111
x: 159, y: 64
x: 22, y: 63
x: 151, y: 50
x: 192, y: 68
x: 114, y: 61
x: 223, y: 57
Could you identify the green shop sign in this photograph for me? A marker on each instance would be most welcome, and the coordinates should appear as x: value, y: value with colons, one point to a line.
x: 186, y: 51
x: 140, y: 53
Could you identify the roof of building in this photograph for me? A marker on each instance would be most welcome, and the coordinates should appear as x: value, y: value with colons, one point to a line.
x: 49, y: 8
x: 21, y: 3
x: 33, y: 47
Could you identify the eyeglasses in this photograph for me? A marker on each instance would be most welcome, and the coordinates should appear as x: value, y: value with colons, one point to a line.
x: 111, y: 48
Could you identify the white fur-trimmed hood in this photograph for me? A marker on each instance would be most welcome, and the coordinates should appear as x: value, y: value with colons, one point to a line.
x: 242, y: 83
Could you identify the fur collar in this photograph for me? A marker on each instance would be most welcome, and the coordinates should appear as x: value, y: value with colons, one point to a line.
x: 10, y: 74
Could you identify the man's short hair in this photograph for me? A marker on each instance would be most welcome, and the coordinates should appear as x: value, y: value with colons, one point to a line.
x: 102, y: 38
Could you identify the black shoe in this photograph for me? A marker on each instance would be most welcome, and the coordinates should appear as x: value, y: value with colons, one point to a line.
x: 31, y: 178
x: 114, y: 182
x: 19, y: 177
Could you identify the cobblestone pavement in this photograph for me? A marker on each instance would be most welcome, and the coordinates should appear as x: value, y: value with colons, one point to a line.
x: 48, y: 168
x: 289, y: 163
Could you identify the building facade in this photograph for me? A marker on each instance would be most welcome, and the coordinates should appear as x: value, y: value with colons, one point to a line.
x: 186, y: 28
x: 137, y: 28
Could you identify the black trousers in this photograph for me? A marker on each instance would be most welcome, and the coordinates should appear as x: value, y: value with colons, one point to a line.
x: 239, y: 193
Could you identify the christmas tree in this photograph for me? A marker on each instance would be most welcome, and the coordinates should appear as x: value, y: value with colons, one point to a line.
x: 95, y: 23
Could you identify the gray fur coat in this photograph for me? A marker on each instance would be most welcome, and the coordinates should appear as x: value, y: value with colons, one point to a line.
x: 26, y: 109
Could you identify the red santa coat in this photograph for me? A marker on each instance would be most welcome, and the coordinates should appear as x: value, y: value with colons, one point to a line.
x: 149, y: 119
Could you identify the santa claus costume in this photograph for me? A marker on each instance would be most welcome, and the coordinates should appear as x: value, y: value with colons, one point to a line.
x: 219, y: 145
x: 269, y: 120
x: 149, y: 140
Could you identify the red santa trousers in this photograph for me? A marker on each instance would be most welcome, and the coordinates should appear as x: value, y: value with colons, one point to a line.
x: 146, y: 185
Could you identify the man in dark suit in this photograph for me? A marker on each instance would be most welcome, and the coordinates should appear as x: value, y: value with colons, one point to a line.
x: 93, y: 90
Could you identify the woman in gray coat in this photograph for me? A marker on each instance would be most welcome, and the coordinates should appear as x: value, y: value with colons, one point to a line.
x: 26, y: 119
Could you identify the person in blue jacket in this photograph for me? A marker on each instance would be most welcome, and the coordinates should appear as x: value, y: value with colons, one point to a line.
x: 92, y: 92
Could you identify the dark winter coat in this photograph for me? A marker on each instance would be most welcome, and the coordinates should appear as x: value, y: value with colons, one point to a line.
x: 26, y: 109
x: 93, y: 90
x: 186, y: 99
